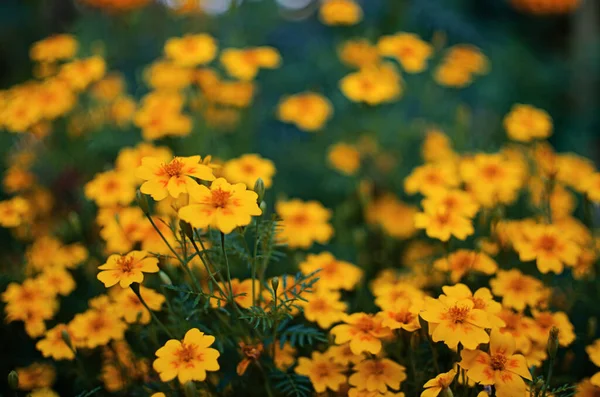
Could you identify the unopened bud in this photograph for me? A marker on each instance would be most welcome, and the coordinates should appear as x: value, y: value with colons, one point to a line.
x: 553, y: 342
x: 259, y: 189
x: 164, y: 277
x: 187, y: 229
x: 142, y: 202
x: 263, y: 206
x: 275, y: 284
x: 189, y: 389
x: 64, y: 334
x: 447, y: 392
x: 13, y: 380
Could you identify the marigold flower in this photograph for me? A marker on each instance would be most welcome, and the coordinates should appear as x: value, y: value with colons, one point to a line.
x: 363, y: 331
x: 54, y: 48
x: 358, y: 53
x: 13, y: 211
x: 343, y: 355
x: 129, y: 159
x: 95, y: 328
x: 128, y: 306
x: 245, y: 63
x: 572, y: 170
x: 500, y: 367
x: 309, y: 111
x: 333, y: 274
x: 518, y: 326
x: 546, y: 7
x: 387, y: 295
x: 127, y: 269
x: 437, y: 147
x: 191, y: 50
x: 408, y: 49
x: 549, y: 247
x: 516, y: 289
x: 482, y: 299
x: 377, y: 374
x: 435, y: 386
x: 323, y: 307
x: 402, y: 314
x: 223, y: 206
x: 462, y: 262
x: 543, y: 323
x: 248, y: 168
x: 189, y: 359
x: 79, y: 74
x: 525, y: 123
x: 344, y: 158
x: 460, y: 64
x: 54, y: 345
x: 57, y: 280
x: 442, y: 224
x: 285, y: 356
x: 110, y: 188
x: 340, y: 12
x: 36, y: 376
x: 322, y: 371
x: 455, y: 321
x: 452, y: 200
x: 431, y: 179
x: 373, y: 85
x: 395, y: 217
x: 587, y: 387
x: 165, y: 75
x: 303, y: 223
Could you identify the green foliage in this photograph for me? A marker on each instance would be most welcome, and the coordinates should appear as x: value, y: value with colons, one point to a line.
x: 299, y: 335
x: 290, y: 384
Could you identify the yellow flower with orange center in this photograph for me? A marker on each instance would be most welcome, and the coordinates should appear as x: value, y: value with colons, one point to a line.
x: 35, y: 376
x: 408, y: 49
x: 517, y: 290
x: 322, y: 371
x: 542, y: 323
x: 518, y: 326
x: 165, y: 75
x: 482, y: 299
x: 387, y: 295
x: 373, y: 85
x: 309, y: 111
x: 430, y: 179
x: 442, y: 224
x: 572, y: 170
x: 437, y: 147
x: 244, y: 64
x: 461, y: 62
x: 128, y: 306
x: 435, y: 386
x: 54, y: 48
x: 79, y: 74
x: 363, y: 331
x: 53, y: 344
x: 333, y: 274
x: 95, y: 328
x: 130, y: 158
x: 57, y: 280
x: 191, y: 50
x: 452, y: 200
x: 222, y: 206
x: 343, y: 355
x: 549, y: 247
x: 395, y: 217
x: 17, y: 179
x: 500, y: 367
x: 248, y: 168
x: 358, y: 53
x: 402, y: 314
x: 110, y: 188
x: 127, y: 269
x: 172, y: 178
x: 303, y: 223
x: 344, y: 158
x: 525, y: 123
x: 340, y: 12
x: 324, y: 307
x: 455, y: 321
x: 13, y: 211
x: 378, y: 374
x: 187, y: 360
x: 462, y: 262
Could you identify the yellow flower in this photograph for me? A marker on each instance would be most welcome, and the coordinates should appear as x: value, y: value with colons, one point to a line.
x: 172, y: 178
x: 248, y: 168
x: 189, y: 359
x: 17, y: 179
x: 333, y: 274
x: 358, y: 53
x: 437, y: 147
x: 160, y: 115
x: 95, y: 328
x: 482, y: 299
x: 402, y: 314
x: 378, y: 374
x: 544, y: 321
x: 35, y: 376
x: 285, y: 356
x: 343, y: 355
x: 223, y: 206
x: 191, y: 50
x: 516, y: 289
x: 593, y: 352
x: 373, y: 85
x: 13, y: 211
x: 408, y: 49
x: 592, y: 187
x: 242, y: 292
x: 165, y: 75
x: 460, y: 63
x: 110, y: 188
x: 244, y: 64
x: 500, y: 367
x: 323, y: 307
x: 303, y: 223
x: 525, y: 123
x: 53, y: 345
x: 587, y: 388
x: 121, y: 228
x: 435, y: 386
x: 572, y: 170
x: 363, y: 331
x: 395, y: 217
x: 549, y: 247
x: 442, y: 224
x: 54, y: 48
x: 55, y: 98
x: 344, y: 158
x: 129, y: 159
x: 127, y: 269
x: 44, y: 392
x: 309, y: 111
x: 322, y: 371
x: 128, y: 306
x: 340, y: 12
x: 57, y: 280
x: 462, y: 262
x: 455, y: 321
x: 79, y: 74
x: 431, y: 179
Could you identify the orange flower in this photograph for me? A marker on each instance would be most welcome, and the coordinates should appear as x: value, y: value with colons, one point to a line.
x: 333, y: 273
x: 462, y: 262
x: 323, y: 307
x: 13, y: 211
x: 525, y: 123
x: 344, y: 158
x: 378, y: 374
x: 127, y: 269
x: 340, y: 12
x: 363, y: 331
x: 309, y: 111
x: 500, y: 367
x: 173, y: 178
x: 322, y: 371
x: 516, y: 289
x: 435, y: 386
x: 303, y: 223
x: 223, y: 206
x: 442, y: 224
x: 408, y: 49
x: 191, y: 50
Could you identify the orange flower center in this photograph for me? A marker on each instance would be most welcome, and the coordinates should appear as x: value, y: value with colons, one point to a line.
x: 125, y: 263
x: 433, y: 178
x: 498, y: 362
x: 478, y: 303
x: 491, y: 171
x: 365, y: 324
x: 330, y: 269
x: 518, y: 284
x: 299, y: 219
x: 547, y: 243
x: 318, y: 304
x: 458, y: 314
x: 545, y: 320
x: 378, y: 368
x: 403, y: 317
x: 248, y: 168
x: 97, y: 324
x: 443, y: 217
x: 187, y: 353
x: 220, y: 198
x: 463, y: 262
x: 321, y: 370
x: 174, y: 168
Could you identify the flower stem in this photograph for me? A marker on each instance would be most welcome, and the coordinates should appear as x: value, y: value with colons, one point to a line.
x: 208, y: 269
x: 136, y: 290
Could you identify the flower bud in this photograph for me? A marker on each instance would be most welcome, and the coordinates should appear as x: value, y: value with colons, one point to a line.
x: 553, y: 342
x: 259, y: 189
x: 189, y: 389
x: 187, y: 229
x: 142, y: 202
x: 164, y: 277
x: 64, y: 334
x: 447, y: 392
x: 275, y: 284
x: 13, y: 380
x: 263, y: 206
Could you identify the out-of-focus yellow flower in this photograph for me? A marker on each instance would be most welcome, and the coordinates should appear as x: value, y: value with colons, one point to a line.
x: 187, y: 360
x: 333, y: 274
x: 110, y: 188
x: 54, y: 345
x: 437, y: 147
x: 248, y: 168
x: 128, y: 306
x: 545, y: 7
x: 378, y: 374
x: 96, y: 327
x: 589, y: 387
x: 363, y: 331
x: 431, y: 179
x: 572, y: 170
x: 191, y: 50
x: 57, y: 280
x: 395, y: 217
x: 408, y: 49
x: 517, y: 290
x: 122, y: 110
x: 344, y: 158
x: 160, y: 115
x: 525, y: 123
x: 462, y: 262
x: 13, y: 211
x: 303, y: 223
x: 324, y: 307
x: 322, y: 371
x: 340, y: 12
x: 544, y: 321
x: 35, y: 376
x: 54, y: 48
x: 245, y: 63
x: 309, y: 111
x: 109, y: 88
x: 435, y: 386
x: 79, y: 74
x: 165, y: 75
x: 442, y: 223
x: 373, y: 85
x: 460, y: 64
x: 359, y: 53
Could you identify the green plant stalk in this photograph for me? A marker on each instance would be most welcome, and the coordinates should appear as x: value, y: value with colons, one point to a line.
x: 227, y: 267
x: 548, y: 377
x: 154, y: 317
x: 208, y: 270
x: 434, y: 353
x: 275, y: 324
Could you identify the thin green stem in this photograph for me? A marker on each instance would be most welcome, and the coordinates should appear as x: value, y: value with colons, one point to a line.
x: 226, y: 265
x: 549, y: 377
x: 208, y: 270
x: 434, y: 353
x: 154, y: 317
